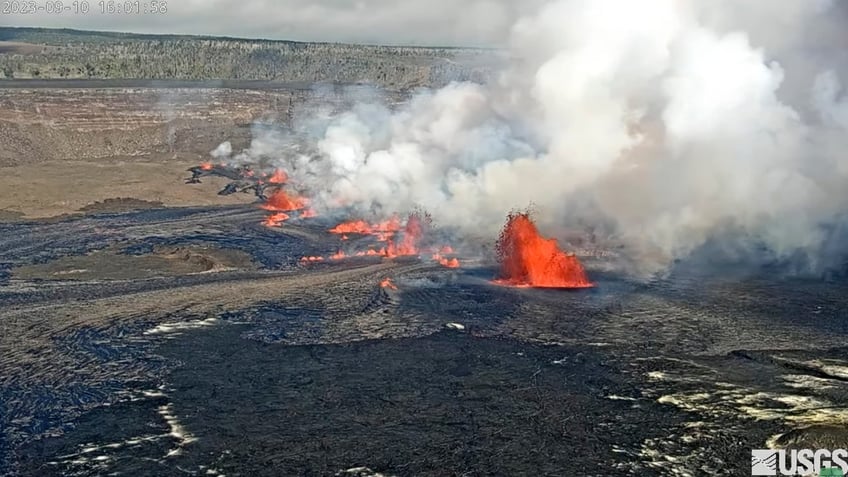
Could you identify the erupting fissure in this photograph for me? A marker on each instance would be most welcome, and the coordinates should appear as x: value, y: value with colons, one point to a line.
x: 281, y: 202
x: 245, y: 179
x: 400, y: 240
x: 382, y: 230
x: 530, y: 260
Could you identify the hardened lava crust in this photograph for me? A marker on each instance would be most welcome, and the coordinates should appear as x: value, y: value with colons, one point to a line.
x: 166, y: 339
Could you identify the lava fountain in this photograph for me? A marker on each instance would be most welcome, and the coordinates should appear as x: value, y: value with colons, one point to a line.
x: 527, y: 259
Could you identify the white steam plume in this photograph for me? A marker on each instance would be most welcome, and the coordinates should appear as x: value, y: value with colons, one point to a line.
x: 672, y: 121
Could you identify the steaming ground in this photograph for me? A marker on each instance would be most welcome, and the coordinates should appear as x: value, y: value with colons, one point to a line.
x: 230, y: 358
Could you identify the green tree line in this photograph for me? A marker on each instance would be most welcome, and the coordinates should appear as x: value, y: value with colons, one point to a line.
x: 76, y: 54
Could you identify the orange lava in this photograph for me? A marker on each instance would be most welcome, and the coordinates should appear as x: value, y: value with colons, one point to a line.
x: 281, y: 201
x: 276, y: 219
x: 352, y: 227
x: 206, y: 166
x: 312, y: 259
x: 387, y: 283
x: 408, y: 245
x: 278, y: 177
x: 388, y: 231
x: 528, y: 259
x: 446, y: 262
x: 388, y: 226
x: 382, y: 230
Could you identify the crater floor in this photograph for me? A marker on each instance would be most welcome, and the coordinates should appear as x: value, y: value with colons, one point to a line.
x: 193, y: 341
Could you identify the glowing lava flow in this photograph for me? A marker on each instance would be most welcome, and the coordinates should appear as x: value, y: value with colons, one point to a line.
x: 383, y: 230
x: 528, y: 259
x: 401, y: 241
x: 280, y: 201
x: 278, y: 177
x: 352, y: 227
x: 446, y: 262
x: 276, y: 219
x: 412, y: 233
x: 387, y: 283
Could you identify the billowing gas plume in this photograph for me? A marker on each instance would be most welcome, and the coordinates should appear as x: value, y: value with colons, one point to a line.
x: 661, y: 125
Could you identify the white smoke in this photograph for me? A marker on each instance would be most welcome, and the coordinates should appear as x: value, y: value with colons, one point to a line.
x: 671, y: 120
x: 223, y: 151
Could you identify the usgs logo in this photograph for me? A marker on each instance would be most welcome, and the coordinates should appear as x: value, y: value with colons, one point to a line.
x: 821, y: 462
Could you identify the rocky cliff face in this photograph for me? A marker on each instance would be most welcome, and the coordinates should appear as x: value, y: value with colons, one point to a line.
x: 46, y: 124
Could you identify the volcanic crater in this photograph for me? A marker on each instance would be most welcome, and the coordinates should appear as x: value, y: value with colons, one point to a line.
x: 163, y: 339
